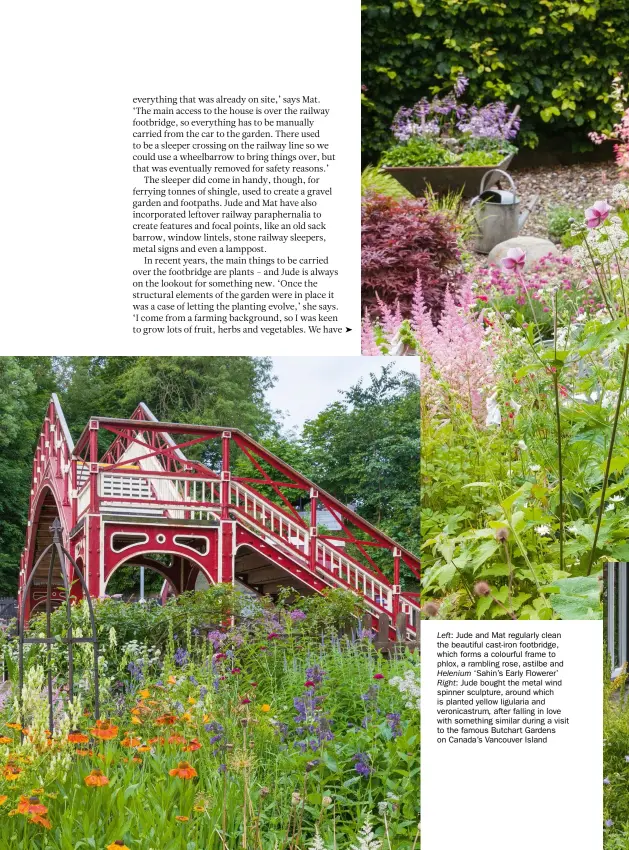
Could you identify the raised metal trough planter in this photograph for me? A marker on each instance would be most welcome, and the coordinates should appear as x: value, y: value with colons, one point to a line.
x: 444, y: 178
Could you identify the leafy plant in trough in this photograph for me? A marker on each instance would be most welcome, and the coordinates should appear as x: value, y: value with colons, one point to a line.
x: 400, y: 238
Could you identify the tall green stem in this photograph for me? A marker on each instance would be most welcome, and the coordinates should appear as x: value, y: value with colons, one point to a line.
x: 559, y: 454
x: 610, y: 453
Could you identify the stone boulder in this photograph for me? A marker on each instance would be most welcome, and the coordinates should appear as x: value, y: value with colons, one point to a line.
x: 535, y: 248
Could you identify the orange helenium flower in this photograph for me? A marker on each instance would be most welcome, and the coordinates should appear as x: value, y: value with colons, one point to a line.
x: 265, y: 707
x: 96, y: 778
x: 192, y: 746
x: 166, y: 720
x: 11, y: 772
x: 183, y: 771
x: 117, y: 845
x: 3, y: 799
x: 14, y: 726
x: 181, y: 818
x: 130, y: 742
x: 5, y: 740
x: 104, y: 730
x: 31, y: 806
x: 176, y: 739
x: 41, y: 821
x: 76, y: 737
x: 84, y: 752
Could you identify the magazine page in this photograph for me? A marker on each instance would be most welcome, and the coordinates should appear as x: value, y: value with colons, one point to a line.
x: 313, y: 497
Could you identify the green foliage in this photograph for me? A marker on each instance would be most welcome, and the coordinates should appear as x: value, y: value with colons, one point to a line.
x: 418, y: 151
x: 556, y: 60
x: 25, y: 386
x: 365, y: 450
x: 375, y: 181
x: 578, y: 598
x: 481, y: 157
x: 615, y: 764
x: 559, y: 221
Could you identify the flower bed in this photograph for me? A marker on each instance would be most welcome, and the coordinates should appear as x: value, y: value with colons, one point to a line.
x: 525, y: 430
x: 260, y: 734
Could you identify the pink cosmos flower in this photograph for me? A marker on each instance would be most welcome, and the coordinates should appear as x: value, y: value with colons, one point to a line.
x: 597, y: 213
x: 515, y: 259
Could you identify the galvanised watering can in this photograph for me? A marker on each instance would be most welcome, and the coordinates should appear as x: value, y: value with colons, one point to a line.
x: 497, y: 213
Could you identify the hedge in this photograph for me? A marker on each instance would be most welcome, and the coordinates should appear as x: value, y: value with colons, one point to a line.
x: 556, y: 58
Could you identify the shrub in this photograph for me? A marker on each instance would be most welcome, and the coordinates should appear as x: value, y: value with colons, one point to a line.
x: 556, y: 61
x: 559, y: 221
x: 401, y: 238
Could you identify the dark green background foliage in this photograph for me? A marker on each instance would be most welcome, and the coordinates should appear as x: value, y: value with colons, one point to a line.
x: 363, y: 448
x: 556, y: 58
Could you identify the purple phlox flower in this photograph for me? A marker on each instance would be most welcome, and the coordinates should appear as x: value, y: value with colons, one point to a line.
x: 393, y: 719
x: 361, y: 764
x: 135, y: 670
x: 315, y: 674
x: 609, y: 823
x: 181, y: 656
x: 372, y: 693
x: 597, y: 213
x: 515, y: 259
x: 297, y: 615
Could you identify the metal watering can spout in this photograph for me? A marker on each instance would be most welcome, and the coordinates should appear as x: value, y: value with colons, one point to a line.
x: 527, y: 211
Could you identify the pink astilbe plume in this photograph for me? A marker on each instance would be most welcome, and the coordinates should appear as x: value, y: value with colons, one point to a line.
x: 459, y: 354
x: 368, y: 344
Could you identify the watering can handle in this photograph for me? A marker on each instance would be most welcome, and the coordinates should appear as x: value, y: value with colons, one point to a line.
x: 497, y: 171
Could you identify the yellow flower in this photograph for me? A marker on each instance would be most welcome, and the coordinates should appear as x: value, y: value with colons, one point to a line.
x: 187, y: 717
x: 145, y: 694
x: 192, y: 701
x: 117, y: 845
x: 136, y: 720
x: 265, y: 707
x: 172, y: 680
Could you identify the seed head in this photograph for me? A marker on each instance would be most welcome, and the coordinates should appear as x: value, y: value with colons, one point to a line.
x: 481, y: 588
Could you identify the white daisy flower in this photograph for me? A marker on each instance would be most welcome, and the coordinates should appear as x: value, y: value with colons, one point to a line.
x: 543, y: 530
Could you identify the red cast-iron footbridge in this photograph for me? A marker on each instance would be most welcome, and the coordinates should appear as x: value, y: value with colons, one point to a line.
x: 142, y: 501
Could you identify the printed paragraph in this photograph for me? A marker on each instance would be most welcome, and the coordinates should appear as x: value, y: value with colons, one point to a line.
x: 230, y: 198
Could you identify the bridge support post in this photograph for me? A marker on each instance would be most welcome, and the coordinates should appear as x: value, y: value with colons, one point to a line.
x: 226, y: 551
x: 312, y: 537
x: 396, y: 590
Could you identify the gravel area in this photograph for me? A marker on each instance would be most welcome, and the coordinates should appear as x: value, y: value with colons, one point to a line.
x: 563, y: 185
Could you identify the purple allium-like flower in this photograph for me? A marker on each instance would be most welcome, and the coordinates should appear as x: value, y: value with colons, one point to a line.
x: 515, y: 259
x: 597, y: 213
x: 297, y: 615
